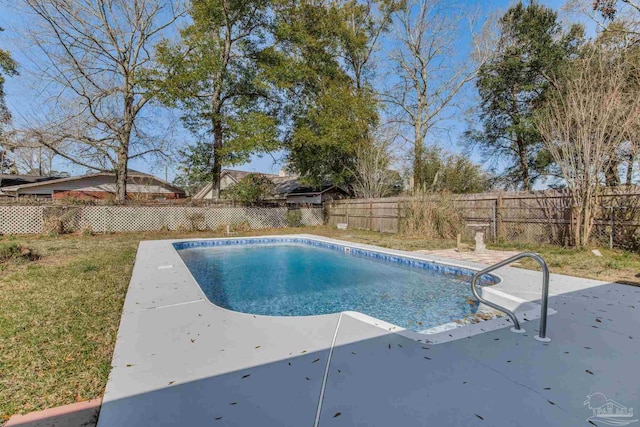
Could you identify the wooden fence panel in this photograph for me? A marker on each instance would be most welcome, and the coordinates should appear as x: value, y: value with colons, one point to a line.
x: 537, y: 216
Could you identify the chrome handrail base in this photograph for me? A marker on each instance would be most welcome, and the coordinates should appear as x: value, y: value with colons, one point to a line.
x: 545, y: 339
x: 518, y: 331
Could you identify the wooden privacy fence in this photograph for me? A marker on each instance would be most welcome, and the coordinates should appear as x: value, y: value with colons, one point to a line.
x: 25, y: 219
x: 536, y: 217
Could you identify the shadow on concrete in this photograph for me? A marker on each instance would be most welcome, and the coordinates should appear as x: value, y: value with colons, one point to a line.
x: 377, y: 378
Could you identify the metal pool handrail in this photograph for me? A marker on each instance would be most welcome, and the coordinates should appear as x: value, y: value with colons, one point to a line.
x: 543, y: 302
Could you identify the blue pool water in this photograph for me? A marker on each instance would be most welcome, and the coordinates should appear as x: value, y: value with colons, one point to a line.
x: 291, y: 279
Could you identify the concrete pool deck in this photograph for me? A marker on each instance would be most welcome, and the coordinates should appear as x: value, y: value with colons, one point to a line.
x: 180, y: 360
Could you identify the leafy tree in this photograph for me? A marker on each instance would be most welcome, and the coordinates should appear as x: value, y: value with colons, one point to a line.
x: 214, y: 74
x: 453, y: 173
x: 251, y: 189
x: 194, y: 170
x: 514, y: 83
x: 326, y: 138
x: 322, y: 64
x: 363, y: 24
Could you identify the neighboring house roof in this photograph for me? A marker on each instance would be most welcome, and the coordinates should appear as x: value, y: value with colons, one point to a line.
x: 284, y: 185
x: 131, y: 174
x: 238, y: 175
x: 291, y: 185
x: 235, y: 176
x: 202, y: 192
x: 7, y: 180
x: 312, y: 191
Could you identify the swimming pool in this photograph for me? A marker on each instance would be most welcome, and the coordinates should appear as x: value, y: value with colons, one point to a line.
x: 302, y: 277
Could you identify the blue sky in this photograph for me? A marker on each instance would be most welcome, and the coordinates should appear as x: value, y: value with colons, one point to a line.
x: 22, y: 91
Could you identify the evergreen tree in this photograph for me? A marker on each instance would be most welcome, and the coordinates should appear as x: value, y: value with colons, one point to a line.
x: 513, y: 84
x: 322, y: 64
x: 453, y: 173
x: 214, y: 74
x: 8, y: 67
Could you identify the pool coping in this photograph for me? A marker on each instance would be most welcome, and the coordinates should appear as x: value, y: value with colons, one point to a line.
x: 524, y: 310
x: 181, y: 360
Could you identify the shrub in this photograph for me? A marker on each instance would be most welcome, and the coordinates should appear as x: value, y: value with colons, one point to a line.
x: 87, y: 231
x: 196, y: 221
x: 251, y: 189
x: 10, y: 251
x: 294, y: 218
x: 241, y: 227
x: 60, y: 220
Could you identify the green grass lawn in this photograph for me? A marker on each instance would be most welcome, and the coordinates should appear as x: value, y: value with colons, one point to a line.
x: 59, y: 310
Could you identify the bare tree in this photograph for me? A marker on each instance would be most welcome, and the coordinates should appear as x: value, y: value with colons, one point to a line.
x: 618, y: 26
x: 592, y: 111
x: 620, y: 18
x: 429, y: 70
x: 371, y: 172
x: 30, y: 155
x: 96, y: 52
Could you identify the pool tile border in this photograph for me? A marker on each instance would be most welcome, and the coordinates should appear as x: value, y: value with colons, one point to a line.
x: 487, y: 279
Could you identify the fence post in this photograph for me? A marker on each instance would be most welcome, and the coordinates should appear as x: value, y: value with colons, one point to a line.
x: 348, y: 204
x: 498, y: 217
x: 370, y: 216
x: 612, y: 219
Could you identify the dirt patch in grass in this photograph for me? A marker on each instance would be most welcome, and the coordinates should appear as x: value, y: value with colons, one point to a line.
x: 59, y: 314
x: 13, y: 251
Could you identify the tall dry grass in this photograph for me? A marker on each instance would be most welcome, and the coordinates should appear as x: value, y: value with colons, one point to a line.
x: 431, y: 216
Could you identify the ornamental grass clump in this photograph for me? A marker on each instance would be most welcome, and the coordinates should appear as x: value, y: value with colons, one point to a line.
x: 429, y: 215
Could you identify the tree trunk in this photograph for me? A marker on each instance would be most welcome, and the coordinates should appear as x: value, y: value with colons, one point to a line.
x: 217, y: 164
x: 418, y: 153
x: 584, y: 204
x: 121, y: 177
x: 522, y: 154
x: 630, y: 162
x: 124, y: 137
x: 216, y: 109
x: 520, y: 142
x: 576, y: 219
x: 612, y: 177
